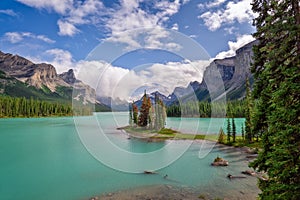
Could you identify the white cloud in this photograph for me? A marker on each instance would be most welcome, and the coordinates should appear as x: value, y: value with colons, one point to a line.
x: 126, y: 24
x: 234, y: 12
x: 86, y: 12
x: 59, y: 6
x: 73, y: 13
x: 175, y: 27
x: 127, y: 15
x: 212, y: 20
x: 60, y: 59
x: 8, y: 12
x: 13, y: 37
x: 167, y: 8
x: 233, y: 46
x: 16, y: 37
x: 211, y: 4
x: 231, y: 30
x: 116, y: 82
x: 120, y: 83
x: 66, y: 28
x: 185, y: 1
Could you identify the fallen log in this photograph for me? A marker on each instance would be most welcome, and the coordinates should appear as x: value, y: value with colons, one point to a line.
x: 232, y: 176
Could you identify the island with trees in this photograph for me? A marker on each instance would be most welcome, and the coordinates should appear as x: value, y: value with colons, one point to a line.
x: 149, y: 121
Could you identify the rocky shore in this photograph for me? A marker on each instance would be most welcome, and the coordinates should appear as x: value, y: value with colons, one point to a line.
x: 157, y: 192
x: 163, y: 192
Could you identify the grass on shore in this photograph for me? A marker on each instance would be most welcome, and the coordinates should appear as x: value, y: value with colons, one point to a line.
x: 167, y: 133
x: 241, y: 142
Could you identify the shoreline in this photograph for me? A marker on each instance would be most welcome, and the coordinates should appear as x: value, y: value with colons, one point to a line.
x: 179, y: 192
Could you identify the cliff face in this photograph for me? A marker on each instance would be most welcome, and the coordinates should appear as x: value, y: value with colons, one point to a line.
x: 37, y: 75
x: 225, y: 77
x: 42, y: 77
x: 236, y: 87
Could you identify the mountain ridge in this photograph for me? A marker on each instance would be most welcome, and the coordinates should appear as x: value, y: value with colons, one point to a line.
x: 21, y: 77
x: 233, y: 71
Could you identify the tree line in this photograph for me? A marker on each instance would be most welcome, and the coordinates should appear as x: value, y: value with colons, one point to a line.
x: 208, y: 109
x: 22, y: 107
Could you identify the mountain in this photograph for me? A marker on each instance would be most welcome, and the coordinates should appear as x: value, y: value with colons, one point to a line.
x: 37, y: 75
x: 232, y: 71
x: 20, y: 77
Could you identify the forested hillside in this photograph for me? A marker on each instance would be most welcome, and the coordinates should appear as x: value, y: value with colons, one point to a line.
x: 22, y: 107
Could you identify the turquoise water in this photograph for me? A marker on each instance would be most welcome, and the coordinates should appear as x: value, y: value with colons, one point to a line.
x: 44, y: 158
x: 203, y: 125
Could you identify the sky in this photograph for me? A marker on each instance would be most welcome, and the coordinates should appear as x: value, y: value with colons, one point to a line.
x: 113, y: 44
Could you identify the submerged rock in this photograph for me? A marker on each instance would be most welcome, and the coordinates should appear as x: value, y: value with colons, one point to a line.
x: 233, y: 176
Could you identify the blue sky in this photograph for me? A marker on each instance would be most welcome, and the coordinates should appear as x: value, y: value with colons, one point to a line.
x: 65, y: 32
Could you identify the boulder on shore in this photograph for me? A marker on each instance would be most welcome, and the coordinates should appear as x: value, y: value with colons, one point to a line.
x: 219, y: 162
x: 249, y: 172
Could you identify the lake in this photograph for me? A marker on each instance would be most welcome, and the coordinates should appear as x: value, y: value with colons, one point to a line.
x: 45, y: 158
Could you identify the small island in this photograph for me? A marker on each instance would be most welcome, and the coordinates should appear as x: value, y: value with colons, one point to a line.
x: 149, y: 122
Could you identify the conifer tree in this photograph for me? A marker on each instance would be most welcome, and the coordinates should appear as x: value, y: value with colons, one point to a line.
x: 248, y: 112
x: 276, y: 70
x: 160, y: 113
x: 221, y: 136
x: 135, y: 112
x: 243, y: 131
x: 233, y: 129
x: 228, y: 130
x: 144, y: 111
x: 130, y: 115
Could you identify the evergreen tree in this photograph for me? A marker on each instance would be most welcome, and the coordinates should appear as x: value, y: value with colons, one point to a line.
x: 233, y: 130
x: 152, y: 117
x: 144, y: 111
x: 130, y: 115
x: 243, y: 132
x: 221, y: 136
x: 135, y: 112
x: 276, y: 70
x: 160, y: 113
x: 228, y: 130
x: 248, y: 112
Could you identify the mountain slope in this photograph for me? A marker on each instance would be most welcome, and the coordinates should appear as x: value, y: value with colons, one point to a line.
x: 11, y: 86
x: 20, y: 77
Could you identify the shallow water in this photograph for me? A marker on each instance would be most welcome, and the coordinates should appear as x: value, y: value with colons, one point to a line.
x: 44, y: 158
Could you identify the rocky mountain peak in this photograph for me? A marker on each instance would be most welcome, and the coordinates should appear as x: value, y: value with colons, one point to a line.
x: 37, y: 75
x: 68, y: 77
x: 43, y: 76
